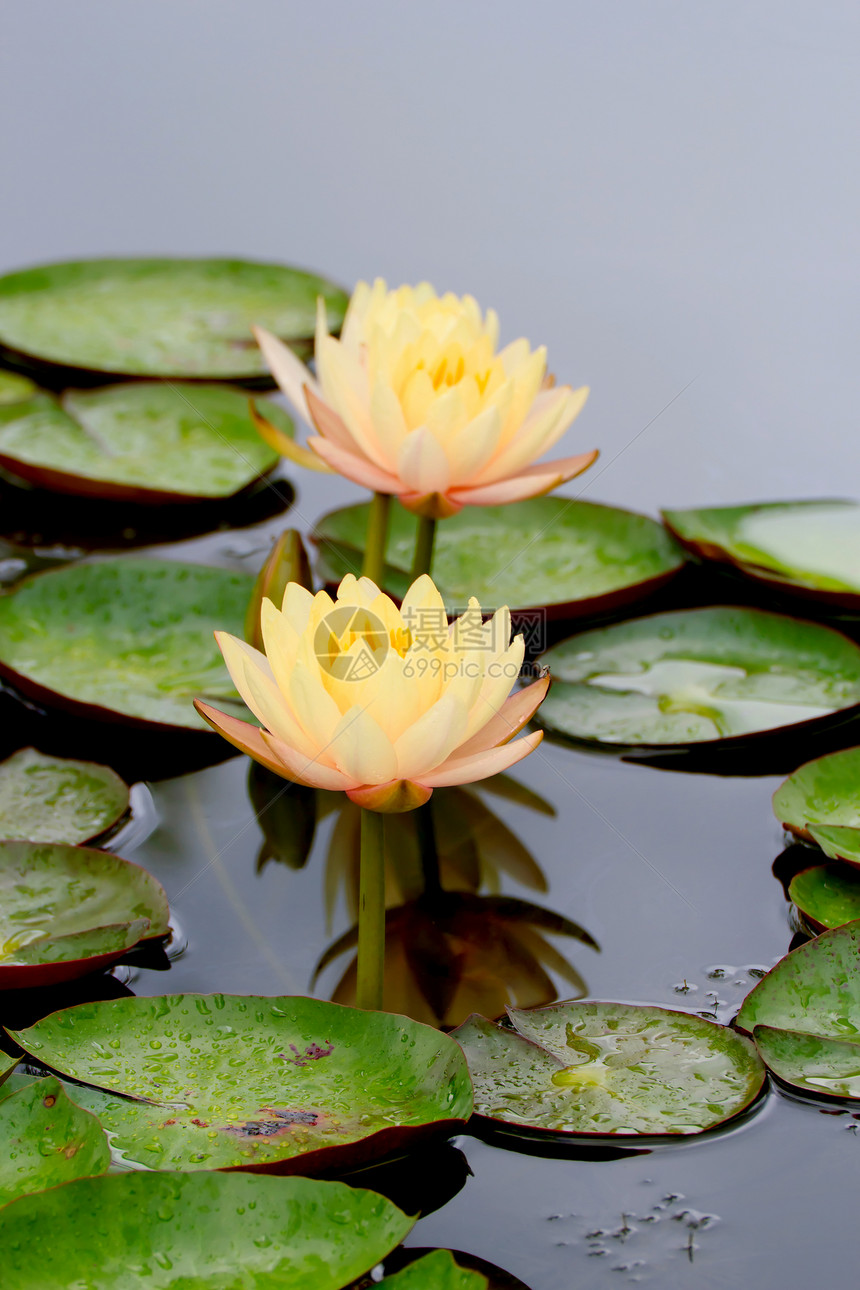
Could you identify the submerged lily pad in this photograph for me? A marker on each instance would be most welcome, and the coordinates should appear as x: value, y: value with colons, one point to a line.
x: 47, y: 1140
x: 609, y: 1069
x: 159, y: 317
x: 435, y: 1271
x: 576, y: 558
x: 206, y: 1231
x: 123, y: 640
x: 144, y: 443
x: 809, y: 547
x: 827, y: 895
x: 292, y: 1085
x: 67, y: 910
x: 821, y: 802
x: 809, y: 1007
x: 694, y: 675
x: 51, y: 799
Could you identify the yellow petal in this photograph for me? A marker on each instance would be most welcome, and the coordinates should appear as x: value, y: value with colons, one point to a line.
x: 360, y: 748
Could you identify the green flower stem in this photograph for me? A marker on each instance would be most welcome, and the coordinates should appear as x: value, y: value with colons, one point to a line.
x: 426, y: 536
x: 371, y: 912
x: 373, y: 565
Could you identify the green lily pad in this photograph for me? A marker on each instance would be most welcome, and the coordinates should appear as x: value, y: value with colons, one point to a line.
x: 144, y: 443
x: 47, y: 1140
x: 821, y: 802
x: 812, y: 997
x: 694, y: 675
x: 814, y: 1063
x: 234, y: 1082
x: 576, y: 558
x: 51, y: 799
x: 128, y: 640
x: 159, y: 317
x: 65, y: 909
x: 810, y: 547
x: 196, y: 1232
x: 827, y: 895
x: 609, y: 1069
x: 14, y: 388
x: 435, y: 1271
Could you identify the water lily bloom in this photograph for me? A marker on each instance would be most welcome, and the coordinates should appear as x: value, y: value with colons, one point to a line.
x: 415, y: 400
x: 385, y: 704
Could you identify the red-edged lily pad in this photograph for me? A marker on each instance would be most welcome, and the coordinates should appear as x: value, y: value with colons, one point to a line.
x: 126, y: 640
x: 437, y: 1270
x: 47, y: 1140
x: 207, y: 1231
x: 821, y: 802
x: 52, y: 799
x: 694, y: 676
x: 159, y: 317
x: 145, y: 443
x: 575, y: 558
x: 608, y: 1070
x: 827, y: 895
x: 284, y: 1085
x: 66, y: 911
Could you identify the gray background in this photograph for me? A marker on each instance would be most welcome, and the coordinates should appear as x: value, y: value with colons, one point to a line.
x: 663, y: 193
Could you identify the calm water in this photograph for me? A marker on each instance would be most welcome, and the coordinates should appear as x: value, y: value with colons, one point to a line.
x: 669, y: 872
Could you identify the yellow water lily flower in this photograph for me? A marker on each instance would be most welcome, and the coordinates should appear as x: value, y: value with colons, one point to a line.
x: 414, y: 399
x: 385, y: 704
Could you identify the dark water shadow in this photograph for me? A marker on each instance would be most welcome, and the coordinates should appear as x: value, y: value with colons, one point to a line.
x: 418, y: 1183
x: 22, y: 1008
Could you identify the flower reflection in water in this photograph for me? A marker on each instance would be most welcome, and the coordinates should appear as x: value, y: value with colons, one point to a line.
x: 453, y: 943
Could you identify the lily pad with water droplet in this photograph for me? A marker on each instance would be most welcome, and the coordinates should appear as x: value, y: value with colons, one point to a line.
x: 827, y: 895
x: 435, y: 1271
x: 821, y: 802
x: 812, y: 997
x: 147, y: 443
x: 206, y: 1231
x: 575, y: 558
x: 809, y: 548
x: 67, y: 910
x: 52, y: 799
x: 126, y: 640
x: 698, y: 675
x: 159, y: 317
x: 609, y: 1069
x: 288, y: 1085
x: 47, y: 1140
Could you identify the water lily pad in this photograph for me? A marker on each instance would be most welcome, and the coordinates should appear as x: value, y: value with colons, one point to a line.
x: 576, y: 558
x: 609, y: 1069
x: 146, y: 443
x: 821, y: 802
x: 827, y: 895
x: 282, y: 1084
x: 695, y: 675
x: 435, y: 1271
x: 197, y: 1232
x: 51, y: 799
x: 68, y: 910
x: 123, y: 640
x: 810, y: 547
x: 14, y: 388
x: 159, y: 317
x: 47, y: 1140
x: 812, y: 997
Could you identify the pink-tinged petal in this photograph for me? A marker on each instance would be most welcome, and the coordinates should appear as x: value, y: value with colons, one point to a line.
x: 468, y: 770
x: 329, y: 424
x: 250, y: 739
x: 396, y: 796
x: 284, y: 444
x: 423, y: 466
x: 304, y: 770
x: 567, y: 467
x: 358, y: 469
x: 291, y: 374
x: 434, y: 506
x: 508, y: 721
x: 531, y: 482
